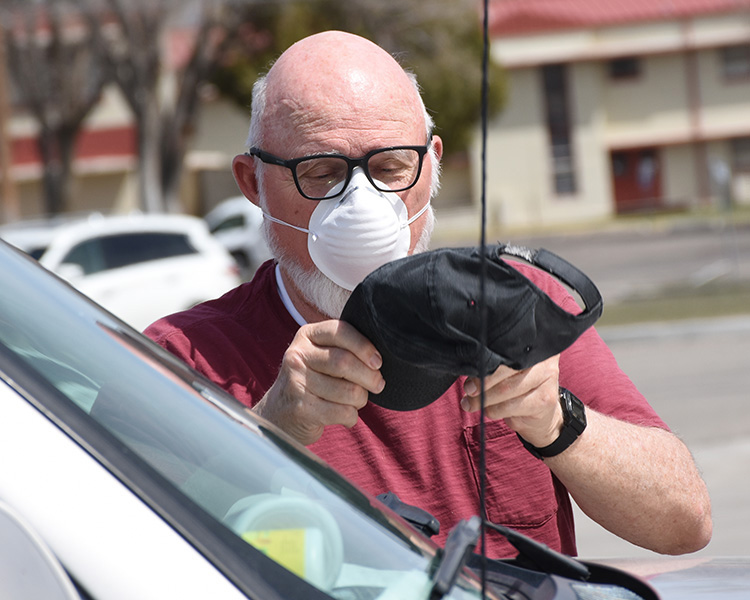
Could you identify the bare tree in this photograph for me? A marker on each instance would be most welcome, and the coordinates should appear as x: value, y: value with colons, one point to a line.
x: 59, y: 79
x: 162, y: 90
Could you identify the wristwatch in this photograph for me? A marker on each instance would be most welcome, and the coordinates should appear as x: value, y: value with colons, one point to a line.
x: 574, y: 422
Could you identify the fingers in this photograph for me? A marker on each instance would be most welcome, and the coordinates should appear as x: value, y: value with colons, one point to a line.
x: 325, y: 377
x: 336, y: 350
x: 528, y: 400
x: 505, y: 386
x: 492, y: 380
x: 331, y: 360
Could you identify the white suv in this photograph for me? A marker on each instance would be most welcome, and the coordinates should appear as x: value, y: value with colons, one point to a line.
x: 140, y: 267
x: 236, y: 223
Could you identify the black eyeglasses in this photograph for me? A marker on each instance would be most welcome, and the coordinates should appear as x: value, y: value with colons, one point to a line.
x: 392, y: 169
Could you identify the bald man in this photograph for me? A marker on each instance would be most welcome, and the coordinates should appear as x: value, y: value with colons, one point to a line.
x: 343, y: 162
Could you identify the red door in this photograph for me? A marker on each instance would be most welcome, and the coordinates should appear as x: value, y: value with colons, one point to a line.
x: 637, y: 179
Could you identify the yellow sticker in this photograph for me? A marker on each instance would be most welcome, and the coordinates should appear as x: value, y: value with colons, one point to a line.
x: 285, y: 546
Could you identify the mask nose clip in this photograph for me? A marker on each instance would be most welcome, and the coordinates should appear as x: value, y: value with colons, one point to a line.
x: 352, y: 186
x: 346, y: 195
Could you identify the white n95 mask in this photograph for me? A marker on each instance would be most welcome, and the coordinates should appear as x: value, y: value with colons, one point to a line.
x: 351, y: 235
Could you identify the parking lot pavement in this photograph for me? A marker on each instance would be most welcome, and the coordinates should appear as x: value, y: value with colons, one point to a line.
x: 696, y: 374
x: 724, y: 468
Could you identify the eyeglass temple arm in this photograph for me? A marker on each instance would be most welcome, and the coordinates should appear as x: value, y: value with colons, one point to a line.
x: 266, y: 157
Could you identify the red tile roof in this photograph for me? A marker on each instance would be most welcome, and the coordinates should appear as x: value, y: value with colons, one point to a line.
x: 516, y: 17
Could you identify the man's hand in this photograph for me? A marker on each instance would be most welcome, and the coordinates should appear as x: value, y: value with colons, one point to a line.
x: 325, y: 377
x: 528, y: 400
x: 641, y: 483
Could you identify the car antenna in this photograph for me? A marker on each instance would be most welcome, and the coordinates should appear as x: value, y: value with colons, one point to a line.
x: 464, y: 536
x: 482, y: 294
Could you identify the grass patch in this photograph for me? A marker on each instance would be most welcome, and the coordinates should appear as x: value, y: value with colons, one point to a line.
x: 680, y: 303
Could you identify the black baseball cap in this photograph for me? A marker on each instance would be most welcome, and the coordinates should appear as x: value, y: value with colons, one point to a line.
x: 423, y: 315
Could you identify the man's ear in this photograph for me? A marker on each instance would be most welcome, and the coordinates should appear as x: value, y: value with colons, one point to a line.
x: 243, y: 168
x: 437, y: 144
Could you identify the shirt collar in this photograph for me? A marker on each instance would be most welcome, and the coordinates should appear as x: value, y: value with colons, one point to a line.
x: 287, y: 300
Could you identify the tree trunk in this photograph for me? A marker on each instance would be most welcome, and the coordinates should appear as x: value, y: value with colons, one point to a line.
x: 52, y: 174
x: 57, y: 150
x: 173, y: 145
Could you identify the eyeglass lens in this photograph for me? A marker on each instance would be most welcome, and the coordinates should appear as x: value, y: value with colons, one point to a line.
x: 390, y: 170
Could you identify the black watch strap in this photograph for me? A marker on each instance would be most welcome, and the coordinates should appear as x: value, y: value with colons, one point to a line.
x: 574, y: 423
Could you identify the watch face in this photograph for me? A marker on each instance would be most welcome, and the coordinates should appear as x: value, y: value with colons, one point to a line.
x: 575, y: 407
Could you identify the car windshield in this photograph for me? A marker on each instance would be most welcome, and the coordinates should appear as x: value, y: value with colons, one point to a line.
x: 245, y: 476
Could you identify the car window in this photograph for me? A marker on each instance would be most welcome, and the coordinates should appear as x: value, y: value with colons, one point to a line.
x: 233, y: 222
x: 121, y: 250
x: 36, y: 252
x: 88, y: 255
x: 271, y: 496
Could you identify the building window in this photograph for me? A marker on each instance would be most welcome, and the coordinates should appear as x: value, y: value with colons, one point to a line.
x: 624, y: 68
x: 557, y: 114
x: 735, y: 61
x: 740, y: 148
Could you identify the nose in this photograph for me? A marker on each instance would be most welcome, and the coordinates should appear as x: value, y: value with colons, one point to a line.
x: 358, y: 181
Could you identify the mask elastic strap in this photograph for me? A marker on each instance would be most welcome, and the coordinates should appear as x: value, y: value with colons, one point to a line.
x: 420, y: 212
x: 280, y: 222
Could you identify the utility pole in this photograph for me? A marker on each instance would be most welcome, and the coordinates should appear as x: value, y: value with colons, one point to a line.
x: 9, y: 200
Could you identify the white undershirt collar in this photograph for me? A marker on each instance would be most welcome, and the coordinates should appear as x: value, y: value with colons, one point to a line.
x: 287, y: 300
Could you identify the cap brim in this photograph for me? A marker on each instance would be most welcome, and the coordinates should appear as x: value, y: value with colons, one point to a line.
x: 407, y: 386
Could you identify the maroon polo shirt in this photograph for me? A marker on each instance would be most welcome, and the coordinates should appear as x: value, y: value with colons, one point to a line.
x: 428, y: 457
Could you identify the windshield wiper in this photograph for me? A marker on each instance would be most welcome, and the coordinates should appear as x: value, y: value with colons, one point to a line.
x: 463, y: 539
x: 460, y: 544
x: 543, y: 557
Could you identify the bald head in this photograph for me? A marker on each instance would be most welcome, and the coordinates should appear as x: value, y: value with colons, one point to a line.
x: 333, y: 82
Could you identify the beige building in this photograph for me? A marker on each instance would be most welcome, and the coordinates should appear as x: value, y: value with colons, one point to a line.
x: 613, y: 107
x: 618, y: 107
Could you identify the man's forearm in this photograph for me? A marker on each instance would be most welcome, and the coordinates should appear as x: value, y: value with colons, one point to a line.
x: 640, y: 483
